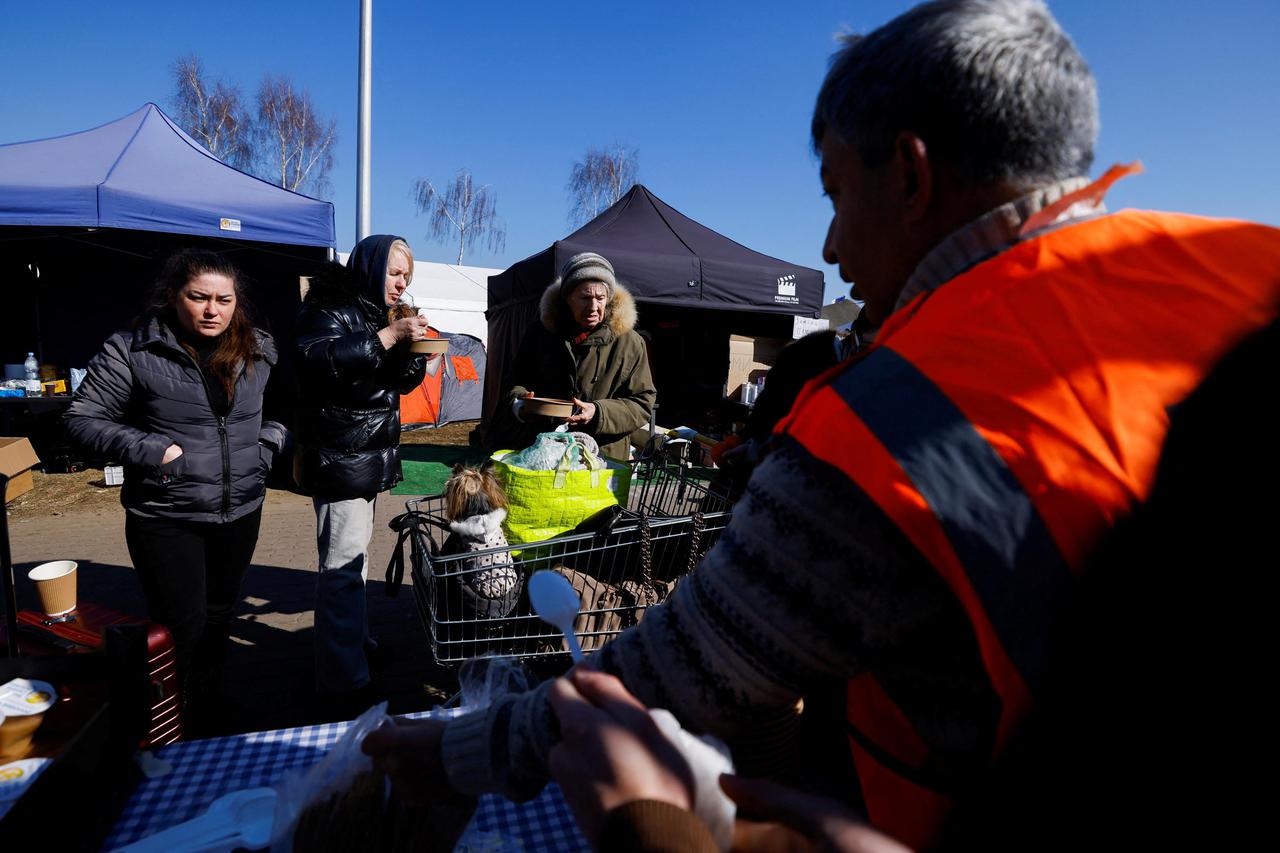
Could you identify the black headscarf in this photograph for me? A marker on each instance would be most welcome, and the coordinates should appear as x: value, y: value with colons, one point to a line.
x: 367, y: 269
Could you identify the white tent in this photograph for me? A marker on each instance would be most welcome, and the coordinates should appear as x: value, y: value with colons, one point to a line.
x: 454, y: 297
x: 842, y: 313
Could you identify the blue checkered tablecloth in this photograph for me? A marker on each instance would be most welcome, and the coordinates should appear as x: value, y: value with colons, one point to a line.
x: 203, y: 770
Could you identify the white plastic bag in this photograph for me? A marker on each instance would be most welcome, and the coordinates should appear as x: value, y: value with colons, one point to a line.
x: 342, y: 783
x: 330, y: 777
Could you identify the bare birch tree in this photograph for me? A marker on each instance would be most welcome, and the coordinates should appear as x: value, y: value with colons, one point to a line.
x: 295, y: 146
x: 464, y: 211
x: 603, y: 177
x: 212, y: 113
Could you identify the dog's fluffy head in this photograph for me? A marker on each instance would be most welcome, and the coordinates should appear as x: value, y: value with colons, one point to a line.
x: 472, y: 491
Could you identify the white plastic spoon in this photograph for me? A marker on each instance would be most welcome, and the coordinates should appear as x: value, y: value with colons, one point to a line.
x: 556, y: 603
x: 240, y: 819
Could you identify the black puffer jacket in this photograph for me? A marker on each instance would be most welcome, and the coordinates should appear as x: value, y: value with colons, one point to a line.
x: 144, y: 392
x: 350, y: 386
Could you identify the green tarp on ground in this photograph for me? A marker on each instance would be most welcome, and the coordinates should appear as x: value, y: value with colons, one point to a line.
x: 427, y: 466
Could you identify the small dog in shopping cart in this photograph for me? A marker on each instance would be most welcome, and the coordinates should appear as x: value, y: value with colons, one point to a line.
x: 486, y: 586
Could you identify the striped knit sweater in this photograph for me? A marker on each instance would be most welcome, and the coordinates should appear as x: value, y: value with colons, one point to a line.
x: 809, y: 583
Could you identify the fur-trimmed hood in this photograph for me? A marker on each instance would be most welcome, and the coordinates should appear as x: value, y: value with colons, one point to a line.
x: 619, y: 317
x: 479, y: 526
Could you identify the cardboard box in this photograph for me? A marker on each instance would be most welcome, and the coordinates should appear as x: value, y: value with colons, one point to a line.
x: 750, y: 358
x: 17, y: 458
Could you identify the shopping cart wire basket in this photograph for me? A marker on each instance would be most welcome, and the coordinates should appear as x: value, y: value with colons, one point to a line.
x: 621, y: 561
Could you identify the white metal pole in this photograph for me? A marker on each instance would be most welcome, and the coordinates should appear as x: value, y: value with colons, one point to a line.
x: 363, y: 145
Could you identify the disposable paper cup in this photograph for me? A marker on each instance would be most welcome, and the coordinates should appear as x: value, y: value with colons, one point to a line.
x: 56, y: 585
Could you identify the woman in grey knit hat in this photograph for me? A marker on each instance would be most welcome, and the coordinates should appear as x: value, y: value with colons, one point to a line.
x: 584, y: 349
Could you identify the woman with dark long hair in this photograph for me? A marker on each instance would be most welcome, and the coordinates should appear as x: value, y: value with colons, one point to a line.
x: 178, y: 401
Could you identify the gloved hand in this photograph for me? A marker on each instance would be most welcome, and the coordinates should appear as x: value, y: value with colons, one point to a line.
x: 516, y: 406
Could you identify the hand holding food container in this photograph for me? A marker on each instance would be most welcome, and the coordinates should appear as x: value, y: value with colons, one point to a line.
x: 410, y: 323
x: 550, y: 407
x: 583, y: 413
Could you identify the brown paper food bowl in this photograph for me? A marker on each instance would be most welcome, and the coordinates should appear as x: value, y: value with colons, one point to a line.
x: 56, y: 585
x: 16, y: 734
x: 431, y: 346
x: 22, y: 709
x: 548, y: 406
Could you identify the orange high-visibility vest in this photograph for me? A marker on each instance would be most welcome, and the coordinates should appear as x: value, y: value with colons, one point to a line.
x: 1005, y: 421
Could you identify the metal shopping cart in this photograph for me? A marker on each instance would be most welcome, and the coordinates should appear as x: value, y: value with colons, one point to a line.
x: 621, y: 561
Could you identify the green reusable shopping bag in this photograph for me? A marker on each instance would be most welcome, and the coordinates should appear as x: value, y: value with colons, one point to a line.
x: 544, y: 504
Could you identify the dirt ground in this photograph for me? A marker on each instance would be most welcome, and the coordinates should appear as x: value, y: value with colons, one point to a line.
x: 458, y: 433
x: 58, y: 494
x: 269, y: 668
x: 55, y: 495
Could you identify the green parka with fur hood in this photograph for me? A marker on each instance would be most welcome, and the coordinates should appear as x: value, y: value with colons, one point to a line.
x: 610, y: 368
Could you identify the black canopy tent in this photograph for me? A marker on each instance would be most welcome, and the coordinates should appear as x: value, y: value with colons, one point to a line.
x: 695, y: 287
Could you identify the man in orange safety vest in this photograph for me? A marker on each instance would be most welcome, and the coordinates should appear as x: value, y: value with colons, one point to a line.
x: 927, y: 506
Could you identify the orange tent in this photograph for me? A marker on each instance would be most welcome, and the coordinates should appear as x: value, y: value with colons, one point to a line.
x: 454, y: 392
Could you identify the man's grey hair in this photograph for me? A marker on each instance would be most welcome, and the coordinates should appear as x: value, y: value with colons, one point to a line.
x: 995, y: 89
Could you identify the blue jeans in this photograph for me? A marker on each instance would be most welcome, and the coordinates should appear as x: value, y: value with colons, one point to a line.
x: 343, y: 531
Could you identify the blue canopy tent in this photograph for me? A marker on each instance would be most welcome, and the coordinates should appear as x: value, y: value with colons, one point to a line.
x: 142, y: 172
x: 86, y: 219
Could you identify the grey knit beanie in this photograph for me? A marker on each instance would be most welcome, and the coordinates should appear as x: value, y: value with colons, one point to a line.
x: 586, y: 266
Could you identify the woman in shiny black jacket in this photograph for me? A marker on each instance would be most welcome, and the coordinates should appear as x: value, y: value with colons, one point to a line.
x: 353, y: 363
x: 179, y: 400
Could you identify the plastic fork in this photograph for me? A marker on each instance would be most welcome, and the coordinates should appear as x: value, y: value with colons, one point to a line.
x: 241, y: 819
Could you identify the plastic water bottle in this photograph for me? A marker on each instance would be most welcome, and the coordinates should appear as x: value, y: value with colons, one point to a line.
x: 32, y: 367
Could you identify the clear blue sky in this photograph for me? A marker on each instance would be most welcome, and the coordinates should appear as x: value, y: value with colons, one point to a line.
x: 714, y: 95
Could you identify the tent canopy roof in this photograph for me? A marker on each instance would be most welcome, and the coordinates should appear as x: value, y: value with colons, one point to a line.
x: 142, y: 172
x: 663, y: 256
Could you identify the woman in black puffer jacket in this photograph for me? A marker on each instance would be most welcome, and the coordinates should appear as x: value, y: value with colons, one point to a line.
x: 178, y: 400
x: 354, y: 362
